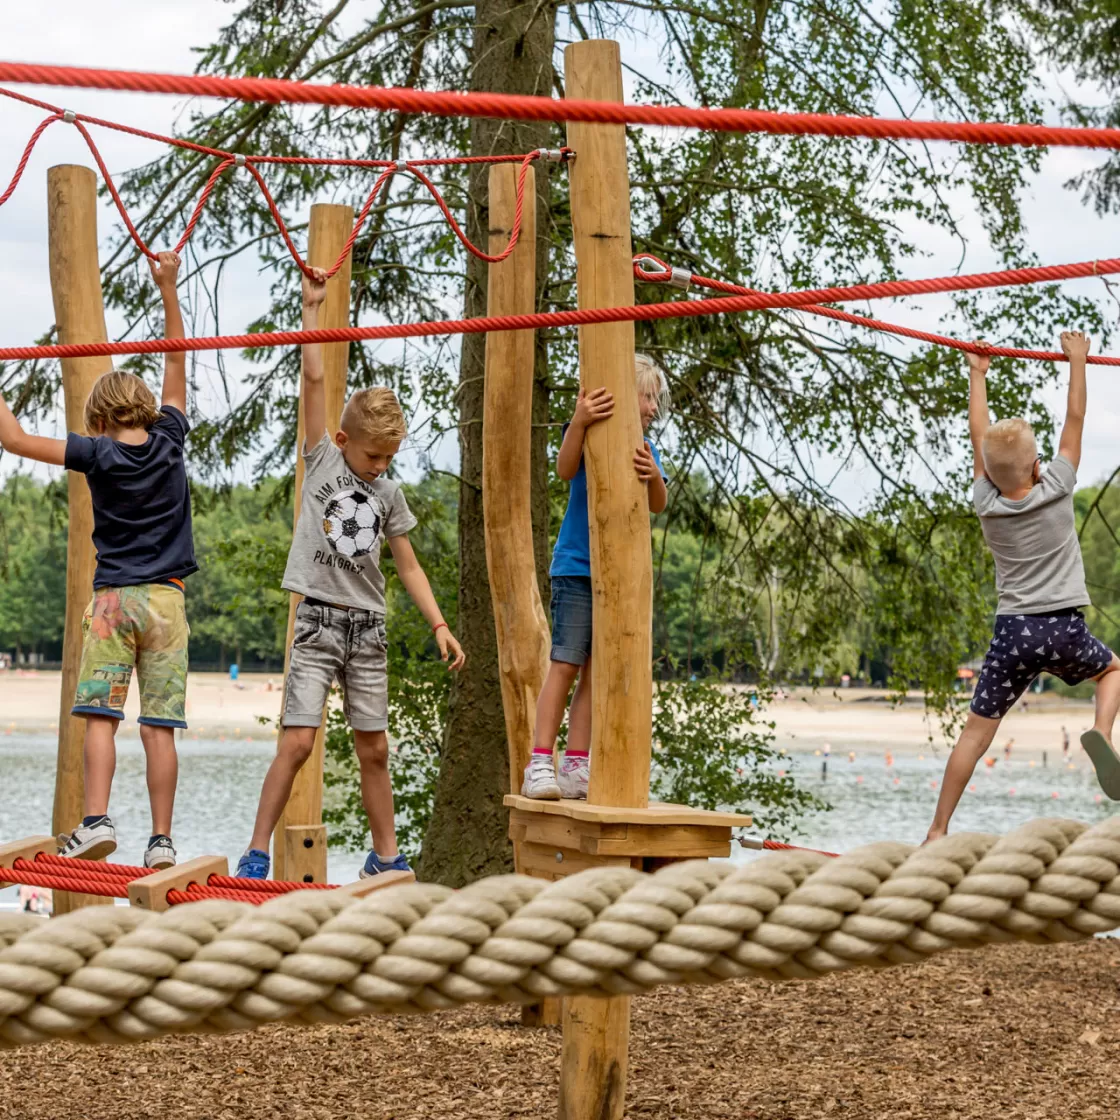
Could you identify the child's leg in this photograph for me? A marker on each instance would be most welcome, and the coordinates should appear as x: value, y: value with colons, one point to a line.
x: 292, y: 752
x: 372, y: 749
x: 975, y: 739
x: 162, y: 764
x: 1108, y: 699
x: 551, y: 704
x: 579, y: 715
x: 99, y: 756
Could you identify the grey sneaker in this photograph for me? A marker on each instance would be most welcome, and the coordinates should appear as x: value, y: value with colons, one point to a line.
x: 95, y: 841
x: 540, y: 779
x: 573, y: 776
x: 160, y: 853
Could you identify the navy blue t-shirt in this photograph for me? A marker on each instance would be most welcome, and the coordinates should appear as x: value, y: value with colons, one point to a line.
x: 141, y: 503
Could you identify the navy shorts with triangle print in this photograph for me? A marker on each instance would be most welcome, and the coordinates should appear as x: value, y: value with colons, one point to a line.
x: 1024, y: 645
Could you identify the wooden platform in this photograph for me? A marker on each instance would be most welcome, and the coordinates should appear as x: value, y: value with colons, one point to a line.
x: 553, y: 839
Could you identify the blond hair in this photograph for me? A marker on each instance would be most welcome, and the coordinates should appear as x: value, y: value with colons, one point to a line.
x: 652, y: 381
x: 374, y: 414
x: 120, y: 400
x: 1010, y: 452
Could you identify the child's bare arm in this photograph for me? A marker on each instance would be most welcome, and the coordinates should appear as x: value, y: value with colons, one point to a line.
x: 1075, y: 346
x: 420, y: 590
x: 978, y: 419
x: 590, y: 409
x: 313, y: 392
x: 165, y: 273
x: 16, y: 441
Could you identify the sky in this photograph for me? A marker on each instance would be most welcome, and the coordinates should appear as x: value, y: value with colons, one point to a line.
x: 137, y: 34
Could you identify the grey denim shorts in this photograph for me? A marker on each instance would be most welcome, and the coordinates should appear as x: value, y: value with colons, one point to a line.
x: 331, y: 644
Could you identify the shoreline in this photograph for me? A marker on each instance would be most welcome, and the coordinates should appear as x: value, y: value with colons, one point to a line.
x: 863, y: 720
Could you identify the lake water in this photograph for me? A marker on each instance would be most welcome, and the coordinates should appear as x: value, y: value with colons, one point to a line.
x: 219, y: 783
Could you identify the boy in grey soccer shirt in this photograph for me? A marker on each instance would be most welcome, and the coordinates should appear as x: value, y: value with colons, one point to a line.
x: 349, y: 509
x: 1027, y: 517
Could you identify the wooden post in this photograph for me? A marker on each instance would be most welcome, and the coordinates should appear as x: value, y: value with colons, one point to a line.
x: 519, y: 618
x: 80, y: 317
x: 596, y: 1031
x: 519, y: 615
x: 618, y: 505
x: 299, y: 848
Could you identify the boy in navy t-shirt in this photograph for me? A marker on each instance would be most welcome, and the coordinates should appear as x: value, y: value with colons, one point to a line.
x: 133, y: 462
x: 571, y: 592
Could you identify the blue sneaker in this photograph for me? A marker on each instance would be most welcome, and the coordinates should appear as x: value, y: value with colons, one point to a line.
x: 254, y: 864
x: 375, y: 865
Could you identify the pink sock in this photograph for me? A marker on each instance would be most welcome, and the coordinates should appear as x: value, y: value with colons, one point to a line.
x: 576, y: 754
x: 543, y: 750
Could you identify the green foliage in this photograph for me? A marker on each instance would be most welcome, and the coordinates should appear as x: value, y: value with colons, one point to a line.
x: 713, y: 750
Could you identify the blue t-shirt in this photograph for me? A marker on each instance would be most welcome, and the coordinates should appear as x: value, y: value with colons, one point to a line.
x: 572, y: 554
x: 141, y: 503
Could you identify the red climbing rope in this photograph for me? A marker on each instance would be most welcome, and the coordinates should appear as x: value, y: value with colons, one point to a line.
x: 111, y: 880
x: 230, y: 160
x: 520, y: 107
x: 778, y: 846
x: 680, y: 277
x: 754, y: 301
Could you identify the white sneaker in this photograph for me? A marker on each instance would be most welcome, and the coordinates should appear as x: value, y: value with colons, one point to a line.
x: 573, y: 776
x: 540, y: 779
x: 160, y: 854
x: 95, y: 842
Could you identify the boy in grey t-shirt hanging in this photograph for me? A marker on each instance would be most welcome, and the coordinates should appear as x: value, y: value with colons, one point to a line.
x: 349, y: 510
x: 1027, y: 517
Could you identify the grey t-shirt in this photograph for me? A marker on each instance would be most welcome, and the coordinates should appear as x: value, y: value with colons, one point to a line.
x: 343, y: 523
x: 1034, y: 542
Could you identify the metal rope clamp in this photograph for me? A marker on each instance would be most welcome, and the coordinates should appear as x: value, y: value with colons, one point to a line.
x: 239, y: 159
x: 680, y: 278
x: 69, y: 116
x: 555, y: 155
x: 402, y: 165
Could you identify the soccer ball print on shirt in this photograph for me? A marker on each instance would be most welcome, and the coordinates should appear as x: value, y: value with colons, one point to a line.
x: 351, y: 523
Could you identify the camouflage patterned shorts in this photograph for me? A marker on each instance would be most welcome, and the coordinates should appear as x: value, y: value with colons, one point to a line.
x: 143, y: 627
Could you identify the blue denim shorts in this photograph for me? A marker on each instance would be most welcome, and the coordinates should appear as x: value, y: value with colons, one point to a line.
x: 571, y: 619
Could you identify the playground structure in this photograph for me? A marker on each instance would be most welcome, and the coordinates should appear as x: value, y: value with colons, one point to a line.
x: 610, y: 931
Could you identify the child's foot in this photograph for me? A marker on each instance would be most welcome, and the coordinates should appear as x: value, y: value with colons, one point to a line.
x: 573, y: 776
x: 540, y: 779
x: 1105, y: 761
x: 375, y: 865
x: 254, y: 864
x: 93, y: 840
x: 160, y: 853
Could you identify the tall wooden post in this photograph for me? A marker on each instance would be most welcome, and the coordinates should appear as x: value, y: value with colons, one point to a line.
x: 299, y: 848
x: 597, y: 1032
x: 80, y: 317
x: 519, y: 618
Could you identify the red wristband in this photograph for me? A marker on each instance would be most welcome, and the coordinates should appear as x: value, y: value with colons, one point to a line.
x: 438, y: 625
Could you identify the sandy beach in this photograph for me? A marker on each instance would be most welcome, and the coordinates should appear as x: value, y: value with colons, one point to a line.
x: 848, y: 719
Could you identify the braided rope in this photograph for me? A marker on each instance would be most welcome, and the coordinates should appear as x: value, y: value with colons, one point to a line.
x: 523, y: 107
x: 113, y: 975
x: 672, y: 309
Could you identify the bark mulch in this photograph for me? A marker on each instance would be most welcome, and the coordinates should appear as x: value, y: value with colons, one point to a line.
x: 1006, y: 1033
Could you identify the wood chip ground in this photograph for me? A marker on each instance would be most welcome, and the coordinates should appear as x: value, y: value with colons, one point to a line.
x: 1005, y: 1033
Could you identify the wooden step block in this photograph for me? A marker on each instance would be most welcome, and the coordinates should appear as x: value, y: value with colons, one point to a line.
x: 378, y: 883
x: 150, y: 892
x: 27, y: 849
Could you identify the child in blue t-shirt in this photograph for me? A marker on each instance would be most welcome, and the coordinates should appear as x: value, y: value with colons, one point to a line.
x: 571, y: 591
x: 133, y: 462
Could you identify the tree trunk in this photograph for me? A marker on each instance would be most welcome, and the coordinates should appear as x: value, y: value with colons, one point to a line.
x: 467, y: 837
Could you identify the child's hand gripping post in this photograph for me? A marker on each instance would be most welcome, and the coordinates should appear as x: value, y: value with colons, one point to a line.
x: 591, y: 408
x: 646, y: 467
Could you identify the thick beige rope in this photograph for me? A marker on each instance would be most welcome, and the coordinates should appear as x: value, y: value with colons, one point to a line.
x: 112, y: 975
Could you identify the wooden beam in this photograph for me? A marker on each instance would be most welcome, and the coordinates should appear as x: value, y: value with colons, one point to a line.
x: 26, y: 849
x: 150, y: 891
x: 618, y: 503
x: 305, y: 853
x: 380, y: 882
x: 330, y: 227
x: 519, y: 617
x: 80, y: 317
x: 597, y: 1031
